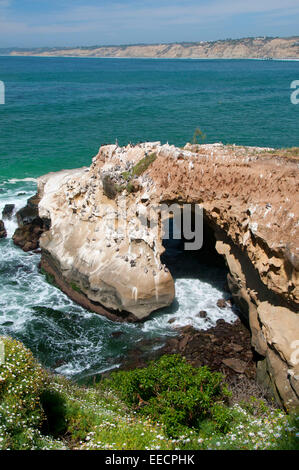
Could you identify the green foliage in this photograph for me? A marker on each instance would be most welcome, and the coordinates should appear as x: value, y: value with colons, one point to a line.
x: 75, y: 287
x: 130, y: 187
x: 126, y: 175
x: 22, y: 382
x: 54, y: 407
x: 255, y: 406
x: 119, y: 188
x: 222, y: 417
x: 171, y: 391
x: 138, y: 170
x: 289, y: 438
x: 49, y: 277
x: 198, y: 136
x: 143, y: 164
x: 41, y: 411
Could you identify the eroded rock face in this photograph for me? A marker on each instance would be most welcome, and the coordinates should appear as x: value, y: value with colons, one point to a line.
x: 250, y: 200
x: 30, y: 226
x: 8, y: 211
x: 119, y: 270
x: 3, y: 233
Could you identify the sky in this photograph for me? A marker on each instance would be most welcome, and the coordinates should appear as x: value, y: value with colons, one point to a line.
x: 40, y: 23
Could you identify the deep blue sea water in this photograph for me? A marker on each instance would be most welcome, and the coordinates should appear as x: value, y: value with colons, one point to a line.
x: 58, y: 112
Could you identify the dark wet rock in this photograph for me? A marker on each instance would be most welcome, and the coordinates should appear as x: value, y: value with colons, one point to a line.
x: 116, y: 334
x: 202, y: 314
x: 8, y: 211
x: 59, y: 363
x: 29, y: 213
x: 27, y: 237
x: 31, y: 226
x: 211, y: 347
x: 147, y: 350
x: 3, y: 232
x: 171, y: 320
x: 7, y: 323
x: 221, y: 303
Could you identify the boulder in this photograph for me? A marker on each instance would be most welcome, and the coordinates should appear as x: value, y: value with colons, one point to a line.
x: 221, y: 303
x: 8, y: 211
x: 202, y: 314
x: 3, y: 233
x: 30, y: 226
x: 235, y: 364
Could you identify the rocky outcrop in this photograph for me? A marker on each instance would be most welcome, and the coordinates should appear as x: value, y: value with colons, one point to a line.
x: 8, y: 211
x: 30, y: 226
x: 3, y: 233
x: 250, y: 199
x: 110, y: 269
x: 225, y: 347
x: 104, y: 246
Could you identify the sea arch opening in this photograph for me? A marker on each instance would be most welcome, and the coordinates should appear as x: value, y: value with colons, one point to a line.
x: 200, y: 275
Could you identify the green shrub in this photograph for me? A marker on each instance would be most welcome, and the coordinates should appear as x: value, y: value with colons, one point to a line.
x: 138, y: 169
x: 171, y: 391
x: 143, y: 164
x: 130, y: 187
x: 289, y: 438
x: 198, y: 136
x: 22, y: 381
x: 42, y: 411
x: 54, y: 406
x: 223, y: 417
x: 49, y: 277
x: 75, y: 287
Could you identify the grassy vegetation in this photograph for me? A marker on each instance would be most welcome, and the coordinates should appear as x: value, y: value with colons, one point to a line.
x: 198, y: 137
x: 143, y: 165
x: 291, y: 153
x: 138, y: 170
x: 49, y: 277
x: 75, y: 287
x: 132, y: 410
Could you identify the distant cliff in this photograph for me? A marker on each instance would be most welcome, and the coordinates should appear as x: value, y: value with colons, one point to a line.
x: 246, y: 48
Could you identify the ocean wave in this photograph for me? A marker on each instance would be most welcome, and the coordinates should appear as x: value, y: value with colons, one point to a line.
x: 19, y: 180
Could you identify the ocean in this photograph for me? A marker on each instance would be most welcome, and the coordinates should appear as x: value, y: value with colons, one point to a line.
x: 58, y: 112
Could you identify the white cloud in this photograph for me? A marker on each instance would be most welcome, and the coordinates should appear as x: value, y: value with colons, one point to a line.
x: 116, y: 19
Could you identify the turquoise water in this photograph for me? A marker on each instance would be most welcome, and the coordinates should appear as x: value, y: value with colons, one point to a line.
x: 58, y: 112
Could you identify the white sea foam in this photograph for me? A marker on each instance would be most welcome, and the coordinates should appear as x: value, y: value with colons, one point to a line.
x: 17, y: 196
x: 192, y: 296
x: 20, y: 180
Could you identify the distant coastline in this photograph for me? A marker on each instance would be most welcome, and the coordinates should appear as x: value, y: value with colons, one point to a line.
x: 283, y: 59
x: 264, y: 48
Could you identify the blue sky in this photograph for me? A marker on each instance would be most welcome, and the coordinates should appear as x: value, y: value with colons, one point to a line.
x: 27, y: 23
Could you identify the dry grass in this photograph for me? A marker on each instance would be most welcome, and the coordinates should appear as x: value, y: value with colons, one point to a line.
x: 244, y: 389
x: 291, y: 153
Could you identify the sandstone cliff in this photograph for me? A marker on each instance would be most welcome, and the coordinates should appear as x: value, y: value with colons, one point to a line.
x: 250, y: 200
x: 246, y: 48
